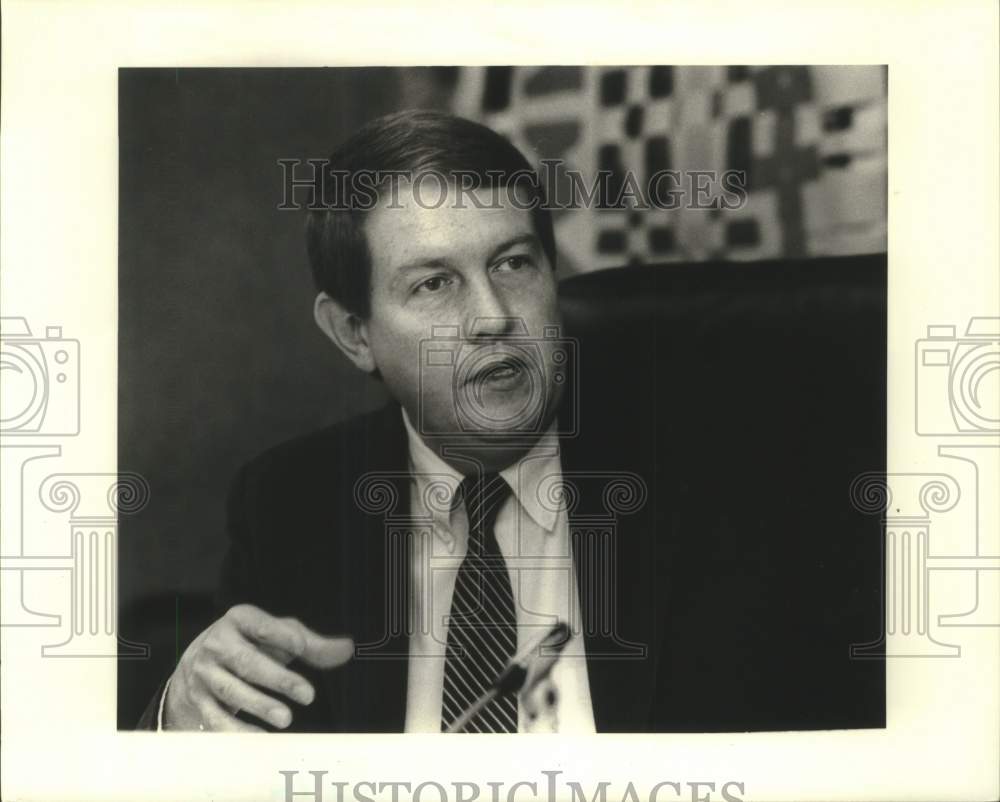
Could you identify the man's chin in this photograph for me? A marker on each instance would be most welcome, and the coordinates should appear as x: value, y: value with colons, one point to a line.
x: 492, y: 434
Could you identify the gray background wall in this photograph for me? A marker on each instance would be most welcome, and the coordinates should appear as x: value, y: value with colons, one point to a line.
x: 218, y: 353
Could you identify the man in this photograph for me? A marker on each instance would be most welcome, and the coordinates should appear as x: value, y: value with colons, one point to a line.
x: 385, y: 573
x: 481, y: 264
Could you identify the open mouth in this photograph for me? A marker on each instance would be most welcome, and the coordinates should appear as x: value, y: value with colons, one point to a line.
x: 500, y: 390
x: 501, y: 369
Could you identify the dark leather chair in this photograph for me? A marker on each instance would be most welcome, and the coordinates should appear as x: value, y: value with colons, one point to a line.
x: 763, y: 388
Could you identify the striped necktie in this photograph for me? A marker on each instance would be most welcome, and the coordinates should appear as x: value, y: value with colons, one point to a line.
x: 482, y: 633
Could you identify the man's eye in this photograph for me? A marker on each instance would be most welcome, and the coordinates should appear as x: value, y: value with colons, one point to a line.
x: 432, y: 284
x: 515, y: 263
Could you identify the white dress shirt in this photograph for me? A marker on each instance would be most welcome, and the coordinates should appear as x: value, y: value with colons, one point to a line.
x: 532, y: 531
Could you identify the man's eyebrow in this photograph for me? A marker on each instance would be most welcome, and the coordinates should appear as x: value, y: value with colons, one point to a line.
x: 433, y: 262
x: 521, y: 239
x: 421, y: 263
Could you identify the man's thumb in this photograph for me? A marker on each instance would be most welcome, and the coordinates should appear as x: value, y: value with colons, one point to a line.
x: 327, y: 652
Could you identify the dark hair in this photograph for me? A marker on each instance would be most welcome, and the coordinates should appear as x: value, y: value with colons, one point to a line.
x: 414, y: 142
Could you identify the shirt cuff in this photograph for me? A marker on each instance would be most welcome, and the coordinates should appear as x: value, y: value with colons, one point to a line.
x: 163, y: 701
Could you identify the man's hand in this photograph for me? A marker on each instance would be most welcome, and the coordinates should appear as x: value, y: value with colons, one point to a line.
x: 247, y: 647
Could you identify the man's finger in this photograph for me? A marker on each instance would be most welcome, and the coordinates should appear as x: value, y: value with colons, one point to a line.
x: 283, y: 634
x: 248, y: 662
x: 325, y: 652
x: 291, y: 636
x: 239, y: 695
x: 215, y: 719
x: 278, y: 653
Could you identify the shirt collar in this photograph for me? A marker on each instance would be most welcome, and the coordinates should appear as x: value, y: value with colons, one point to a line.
x: 536, y: 478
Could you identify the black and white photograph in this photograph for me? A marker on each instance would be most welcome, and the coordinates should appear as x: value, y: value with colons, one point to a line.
x: 503, y: 399
x: 518, y: 402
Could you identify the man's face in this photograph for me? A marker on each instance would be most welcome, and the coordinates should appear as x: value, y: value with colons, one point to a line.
x: 460, y: 301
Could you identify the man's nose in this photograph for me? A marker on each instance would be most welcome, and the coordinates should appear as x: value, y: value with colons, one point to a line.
x: 488, y: 313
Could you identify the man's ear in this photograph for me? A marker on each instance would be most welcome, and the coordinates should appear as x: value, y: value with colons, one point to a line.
x: 346, y: 329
